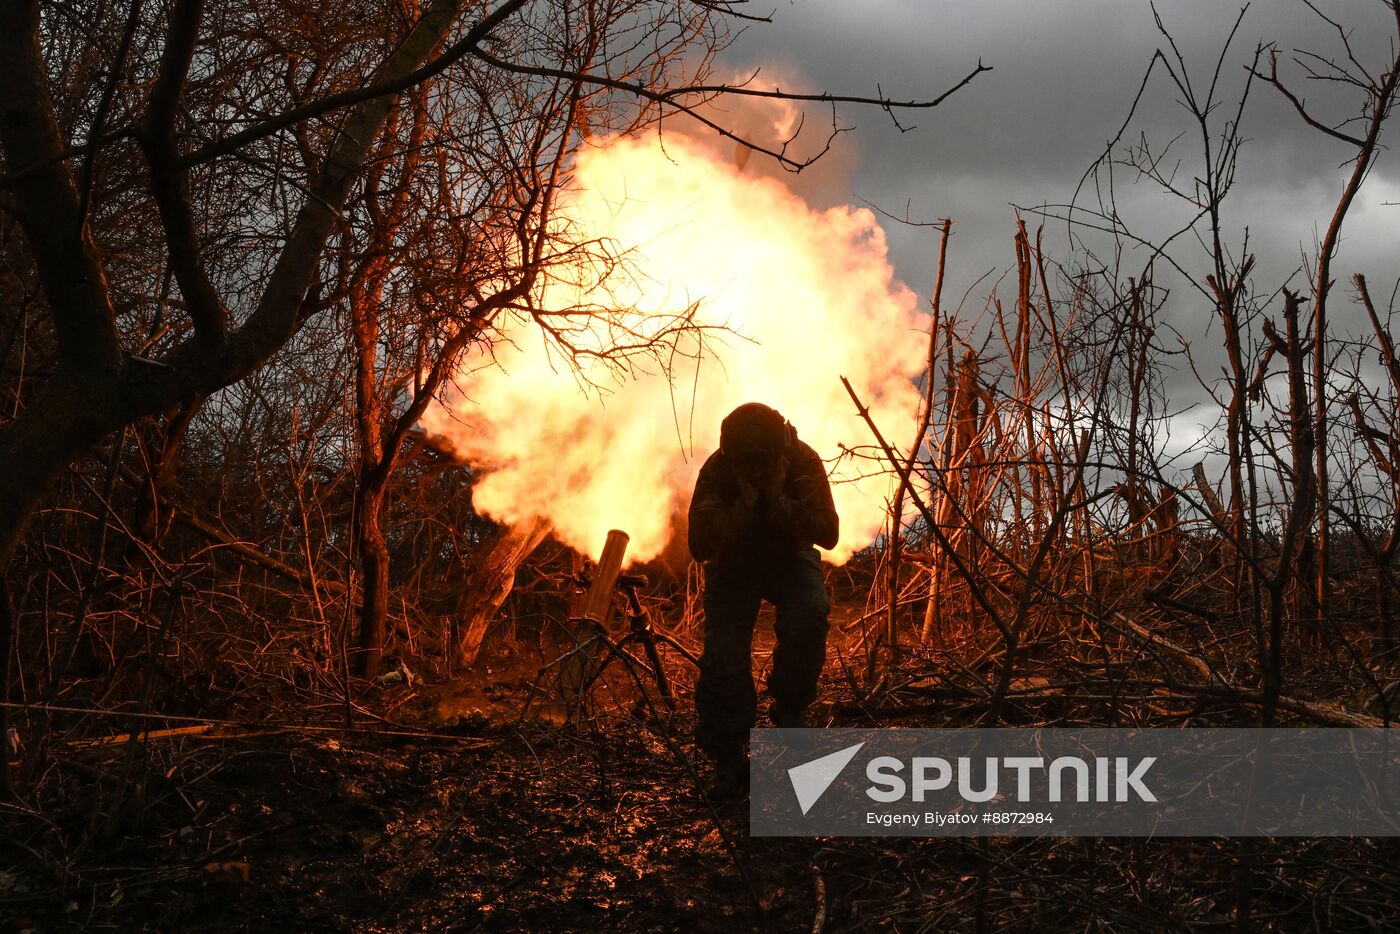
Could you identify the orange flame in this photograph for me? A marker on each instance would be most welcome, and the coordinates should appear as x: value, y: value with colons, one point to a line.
x: 809, y: 296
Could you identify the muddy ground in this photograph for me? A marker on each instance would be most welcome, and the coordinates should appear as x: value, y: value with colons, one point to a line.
x: 443, y: 809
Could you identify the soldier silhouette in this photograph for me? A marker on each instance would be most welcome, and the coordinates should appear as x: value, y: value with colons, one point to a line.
x: 762, y: 501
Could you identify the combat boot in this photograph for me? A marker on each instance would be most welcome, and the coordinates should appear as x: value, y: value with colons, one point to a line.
x: 787, y: 719
x: 731, y: 778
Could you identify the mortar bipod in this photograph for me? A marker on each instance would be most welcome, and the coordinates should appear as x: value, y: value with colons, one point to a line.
x: 641, y: 631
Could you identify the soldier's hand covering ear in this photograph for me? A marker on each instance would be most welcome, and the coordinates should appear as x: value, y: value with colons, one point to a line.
x: 748, y: 493
x: 803, y: 505
x: 776, y: 480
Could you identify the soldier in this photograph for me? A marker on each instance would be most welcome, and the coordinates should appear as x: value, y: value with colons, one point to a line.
x: 761, y: 502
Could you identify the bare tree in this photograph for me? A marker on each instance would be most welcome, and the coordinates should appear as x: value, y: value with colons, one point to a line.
x: 188, y: 187
x: 1361, y: 132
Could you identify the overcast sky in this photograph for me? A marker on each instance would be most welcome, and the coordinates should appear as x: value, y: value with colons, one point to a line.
x: 1065, y: 75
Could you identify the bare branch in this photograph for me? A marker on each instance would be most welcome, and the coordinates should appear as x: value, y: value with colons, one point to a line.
x: 100, y: 118
x: 169, y: 183
x: 1299, y: 105
x: 378, y: 88
x: 673, y: 98
x: 47, y: 205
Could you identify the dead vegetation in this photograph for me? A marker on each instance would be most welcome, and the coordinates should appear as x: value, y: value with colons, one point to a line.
x: 194, y: 700
x: 191, y: 743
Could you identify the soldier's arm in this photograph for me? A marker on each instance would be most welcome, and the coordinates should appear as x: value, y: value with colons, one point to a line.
x: 717, y: 519
x: 805, y: 509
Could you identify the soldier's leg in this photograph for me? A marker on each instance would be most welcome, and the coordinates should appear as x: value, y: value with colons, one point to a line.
x: 799, y: 595
x: 725, y: 702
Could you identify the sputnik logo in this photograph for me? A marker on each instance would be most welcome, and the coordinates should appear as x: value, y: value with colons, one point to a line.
x: 810, y: 780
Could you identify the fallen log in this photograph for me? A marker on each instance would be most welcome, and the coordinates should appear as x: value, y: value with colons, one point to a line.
x: 1316, y: 711
x: 1218, y: 688
x: 145, y: 735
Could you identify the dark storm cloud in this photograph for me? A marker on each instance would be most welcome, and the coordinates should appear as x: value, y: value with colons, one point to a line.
x: 1065, y: 72
x: 1065, y: 77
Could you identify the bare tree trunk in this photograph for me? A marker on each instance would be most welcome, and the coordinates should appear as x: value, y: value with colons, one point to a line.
x: 941, y: 451
x: 960, y: 507
x: 96, y: 389
x: 1388, y: 462
x: 1296, y: 548
x: 378, y: 453
x: 374, y: 565
x: 501, y: 556
x: 376, y: 465
x: 925, y: 419
x: 148, y: 524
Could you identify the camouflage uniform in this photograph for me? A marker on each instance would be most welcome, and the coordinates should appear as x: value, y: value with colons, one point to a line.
x: 758, y: 548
